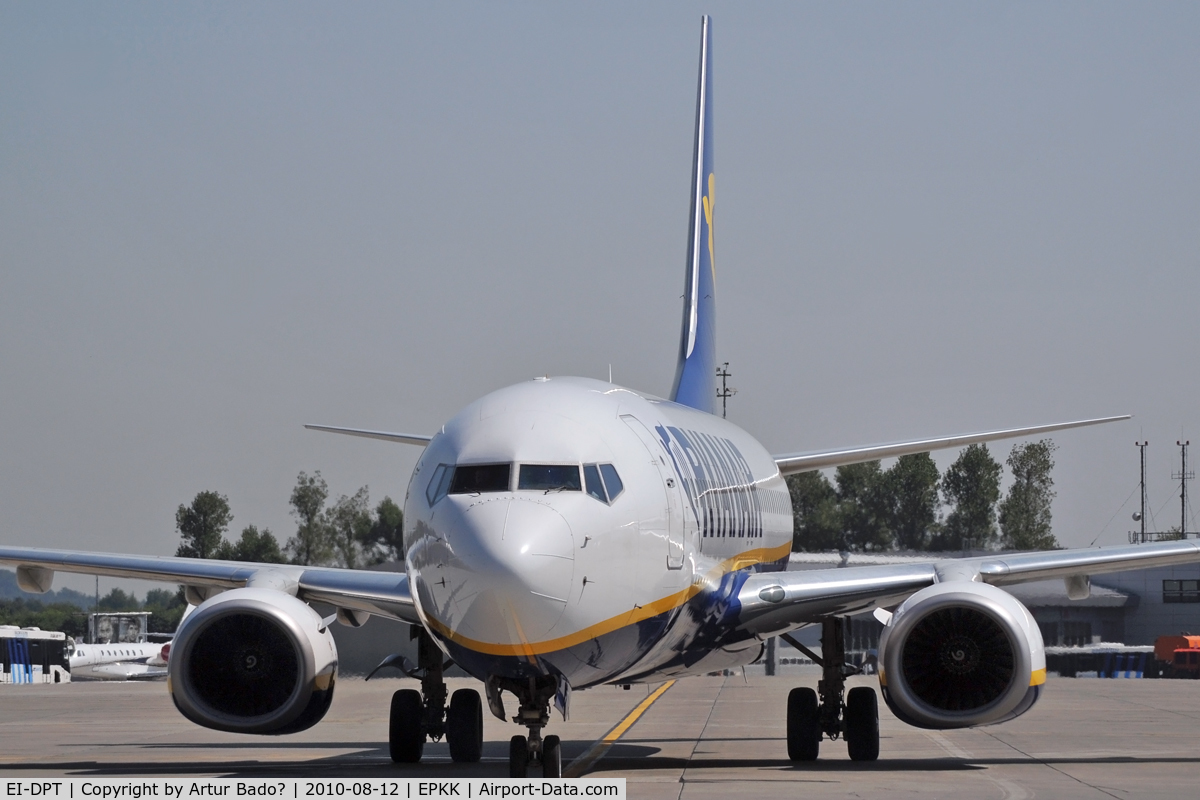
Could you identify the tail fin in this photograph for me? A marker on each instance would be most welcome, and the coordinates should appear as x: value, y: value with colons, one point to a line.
x: 695, y: 377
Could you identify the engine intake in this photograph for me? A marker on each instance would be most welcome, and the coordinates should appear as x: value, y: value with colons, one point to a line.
x: 253, y: 661
x: 961, y: 654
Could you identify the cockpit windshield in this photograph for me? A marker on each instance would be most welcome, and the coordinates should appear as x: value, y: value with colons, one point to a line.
x: 550, y: 477
x: 476, y: 478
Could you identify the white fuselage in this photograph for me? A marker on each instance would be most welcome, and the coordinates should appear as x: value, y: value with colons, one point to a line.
x: 516, y: 581
x: 118, y: 662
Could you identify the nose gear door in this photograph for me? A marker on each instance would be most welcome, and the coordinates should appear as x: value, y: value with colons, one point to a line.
x: 674, y: 508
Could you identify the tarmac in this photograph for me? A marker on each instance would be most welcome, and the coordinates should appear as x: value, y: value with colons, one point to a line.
x: 702, y: 737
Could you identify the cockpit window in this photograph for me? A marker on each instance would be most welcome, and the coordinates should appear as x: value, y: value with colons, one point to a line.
x: 439, y: 483
x: 550, y: 477
x: 605, y: 490
x: 476, y: 478
x: 591, y: 479
x: 612, y: 481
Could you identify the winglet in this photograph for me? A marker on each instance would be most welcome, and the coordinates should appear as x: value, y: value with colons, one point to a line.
x: 695, y: 376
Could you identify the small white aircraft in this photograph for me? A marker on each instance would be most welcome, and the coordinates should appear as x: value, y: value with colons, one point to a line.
x: 122, y: 661
x: 566, y: 533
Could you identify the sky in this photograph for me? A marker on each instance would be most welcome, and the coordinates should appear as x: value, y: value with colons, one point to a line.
x: 220, y: 221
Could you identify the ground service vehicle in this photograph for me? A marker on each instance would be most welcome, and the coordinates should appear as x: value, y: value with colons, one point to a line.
x: 1177, y: 656
x: 31, y: 655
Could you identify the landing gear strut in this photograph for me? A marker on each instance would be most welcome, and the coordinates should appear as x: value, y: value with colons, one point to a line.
x: 535, y: 695
x: 854, y: 717
x: 416, y: 716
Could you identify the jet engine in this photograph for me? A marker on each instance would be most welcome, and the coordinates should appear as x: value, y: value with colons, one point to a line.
x: 960, y: 654
x: 253, y: 661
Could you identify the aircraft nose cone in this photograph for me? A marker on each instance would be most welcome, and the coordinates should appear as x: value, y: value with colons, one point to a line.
x: 521, y: 554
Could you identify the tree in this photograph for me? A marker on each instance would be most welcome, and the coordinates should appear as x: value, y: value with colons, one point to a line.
x: 254, y: 546
x: 384, y: 540
x: 25, y: 613
x: 861, y: 507
x: 311, y: 543
x: 971, y: 486
x: 1025, y: 512
x: 816, y: 525
x: 166, y: 609
x: 118, y: 600
x: 349, y: 522
x: 202, y: 524
x: 910, y: 498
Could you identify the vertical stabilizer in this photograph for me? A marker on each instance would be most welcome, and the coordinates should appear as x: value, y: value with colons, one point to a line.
x: 695, y: 377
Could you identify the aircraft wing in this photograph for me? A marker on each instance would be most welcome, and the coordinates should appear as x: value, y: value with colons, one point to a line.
x: 383, y: 593
x: 778, y: 601
x: 821, y: 459
x: 123, y: 671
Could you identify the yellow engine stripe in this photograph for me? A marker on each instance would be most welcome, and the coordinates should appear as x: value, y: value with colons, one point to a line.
x: 635, y: 615
x: 602, y: 745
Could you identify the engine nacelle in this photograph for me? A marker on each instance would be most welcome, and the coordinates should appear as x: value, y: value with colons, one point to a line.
x: 253, y: 661
x: 960, y: 654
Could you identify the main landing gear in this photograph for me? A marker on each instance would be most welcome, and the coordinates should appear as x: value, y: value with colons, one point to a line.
x: 535, y: 695
x: 419, y: 715
x: 855, y: 718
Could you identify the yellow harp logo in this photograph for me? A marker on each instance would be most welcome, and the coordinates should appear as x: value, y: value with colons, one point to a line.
x: 710, y: 200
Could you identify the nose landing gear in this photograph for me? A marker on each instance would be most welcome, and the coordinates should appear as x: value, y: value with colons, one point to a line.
x: 535, y: 695
x: 853, y: 716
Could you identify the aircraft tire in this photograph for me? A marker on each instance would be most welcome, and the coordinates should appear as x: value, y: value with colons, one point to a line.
x: 803, y: 725
x: 551, y: 757
x: 862, y: 724
x: 406, y: 738
x: 464, y: 726
x: 518, y: 757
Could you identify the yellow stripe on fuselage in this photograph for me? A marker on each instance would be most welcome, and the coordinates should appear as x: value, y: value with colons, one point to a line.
x: 635, y: 615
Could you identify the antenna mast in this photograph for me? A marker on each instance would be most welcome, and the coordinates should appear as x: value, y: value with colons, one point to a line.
x: 1183, y: 476
x: 725, y: 392
x: 1142, y: 514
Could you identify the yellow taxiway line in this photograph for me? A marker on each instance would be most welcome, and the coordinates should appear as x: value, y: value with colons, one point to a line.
x: 601, y: 746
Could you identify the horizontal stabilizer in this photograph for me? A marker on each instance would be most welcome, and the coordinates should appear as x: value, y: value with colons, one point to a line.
x: 403, y: 438
x: 804, y: 462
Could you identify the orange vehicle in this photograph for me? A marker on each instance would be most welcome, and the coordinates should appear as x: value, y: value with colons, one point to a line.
x: 1178, y: 656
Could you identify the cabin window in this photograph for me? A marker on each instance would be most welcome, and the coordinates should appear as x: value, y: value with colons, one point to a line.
x: 1181, y: 591
x: 550, y: 477
x: 612, y: 481
x: 477, y: 478
x: 439, y: 483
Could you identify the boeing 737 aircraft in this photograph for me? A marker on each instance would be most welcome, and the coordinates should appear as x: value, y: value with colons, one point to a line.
x: 565, y: 533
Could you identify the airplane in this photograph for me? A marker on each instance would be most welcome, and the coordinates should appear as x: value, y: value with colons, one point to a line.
x: 565, y: 533
x: 121, y: 661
